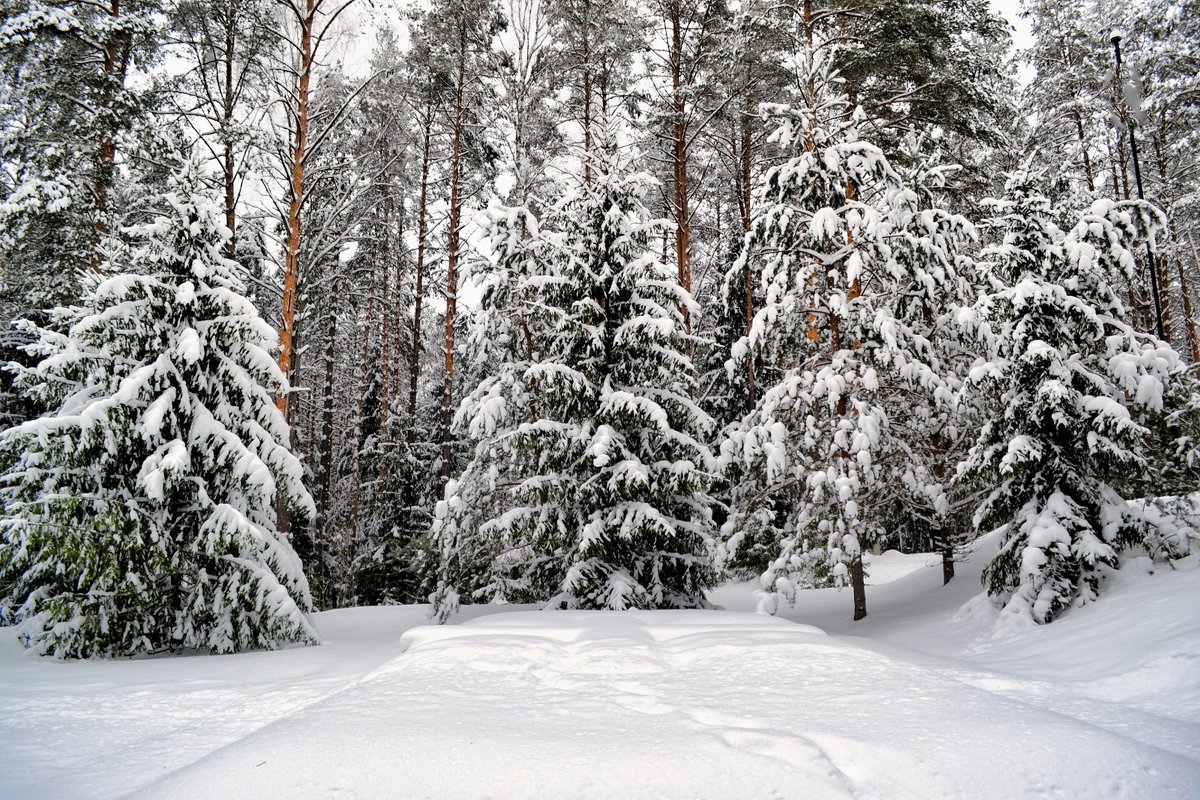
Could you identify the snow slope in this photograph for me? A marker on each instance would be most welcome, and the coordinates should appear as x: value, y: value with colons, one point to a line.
x: 919, y: 700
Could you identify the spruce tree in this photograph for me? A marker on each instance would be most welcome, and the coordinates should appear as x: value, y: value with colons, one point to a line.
x: 1082, y: 395
x: 66, y: 109
x: 140, y: 514
x: 591, y: 461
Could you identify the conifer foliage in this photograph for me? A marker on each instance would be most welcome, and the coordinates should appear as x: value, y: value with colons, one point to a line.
x: 140, y: 515
x: 596, y: 491
x: 1082, y: 397
x: 854, y: 270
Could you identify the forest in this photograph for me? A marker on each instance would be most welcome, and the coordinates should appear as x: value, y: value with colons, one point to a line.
x: 588, y: 304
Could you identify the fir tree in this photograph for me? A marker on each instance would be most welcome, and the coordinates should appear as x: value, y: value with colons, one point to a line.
x: 1081, y: 392
x: 140, y: 515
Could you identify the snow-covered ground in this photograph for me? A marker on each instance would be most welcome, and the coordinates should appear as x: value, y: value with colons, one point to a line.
x: 930, y: 696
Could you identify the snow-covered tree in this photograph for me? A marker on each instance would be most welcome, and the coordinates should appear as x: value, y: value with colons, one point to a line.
x: 141, y: 513
x: 935, y: 248
x: 67, y: 109
x: 589, y: 484
x: 1081, y: 393
x: 854, y: 272
x: 501, y: 343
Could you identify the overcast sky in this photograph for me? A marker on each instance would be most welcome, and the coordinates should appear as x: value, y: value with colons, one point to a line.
x: 1011, y: 10
x: 354, y: 46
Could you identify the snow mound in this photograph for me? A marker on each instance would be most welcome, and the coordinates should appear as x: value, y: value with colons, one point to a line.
x: 892, y: 565
x: 581, y: 627
x: 909, y: 703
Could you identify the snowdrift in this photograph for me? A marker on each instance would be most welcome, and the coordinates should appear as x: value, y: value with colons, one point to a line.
x: 932, y: 696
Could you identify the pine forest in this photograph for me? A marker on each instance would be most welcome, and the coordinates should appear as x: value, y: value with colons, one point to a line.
x: 768, y: 399
x: 589, y: 304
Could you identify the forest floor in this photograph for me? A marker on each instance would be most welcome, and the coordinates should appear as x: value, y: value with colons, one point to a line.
x: 933, y: 695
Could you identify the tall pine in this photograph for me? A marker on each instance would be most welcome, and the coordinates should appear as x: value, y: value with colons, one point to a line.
x: 855, y: 269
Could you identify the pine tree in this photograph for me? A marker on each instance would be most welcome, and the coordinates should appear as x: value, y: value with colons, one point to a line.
x: 1069, y: 62
x: 935, y: 427
x: 479, y: 561
x: 1081, y: 393
x: 850, y: 266
x: 140, y: 515
x: 227, y: 45
x: 917, y: 64
x: 70, y: 64
x: 591, y: 460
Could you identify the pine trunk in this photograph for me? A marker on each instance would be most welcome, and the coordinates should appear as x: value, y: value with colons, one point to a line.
x: 291, y: 258
x: 587, y: 102
x: 859, y: 585
x: 939, y: 533
x: 228, y: 168
x: 452, y: 245
x: 386, y: 324
x: 1186, y: 290
x: 115, y: 64
x: 322, y: 526
x: 1083, y: 148
x: 683, y: 225
x: 857, y: 576
x: 414, y: 359
x: 360, y: 401
x: 744, y: 193
x: 283, y: 511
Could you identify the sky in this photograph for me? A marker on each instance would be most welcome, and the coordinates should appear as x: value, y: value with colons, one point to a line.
x: 354, y: 45
x: 1011, y: 10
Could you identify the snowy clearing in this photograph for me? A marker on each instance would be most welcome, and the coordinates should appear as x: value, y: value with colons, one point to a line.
x: 919, y: 700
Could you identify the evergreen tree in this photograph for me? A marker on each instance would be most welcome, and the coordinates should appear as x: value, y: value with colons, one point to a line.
x: 477, y: 561
x: 917, y: 64
x: 591, y: 465
x: 68, y: 107
x: 1069, y: 61
x: 935, y: 425
x: 1081, y: 392
x: 227, y: 45
x: 851, y: 268
x: 140, y: 515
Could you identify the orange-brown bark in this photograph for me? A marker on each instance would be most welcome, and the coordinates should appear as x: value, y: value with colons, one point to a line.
x: 291, y: 257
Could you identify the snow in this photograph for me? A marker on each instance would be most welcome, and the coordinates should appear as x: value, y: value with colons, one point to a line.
x: 934, y: 694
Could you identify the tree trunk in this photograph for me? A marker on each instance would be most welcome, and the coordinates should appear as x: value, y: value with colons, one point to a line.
x: 1087, y: 161
x: 360, y: 402
x: 283, y: 511
x: 939, y: 533
x: 327, y: 427
x: 683, y: 225
x: 229, y: 174
x: 414, y: 363
x: 291, y: 258
x: 452, y: 244
x: 857, y: 576
x: 587, y: 102
x: 744, y: 208
x: 859, y: 584
x: 115, y: 65
x: 1185, y: 290
x: 385, y: 334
